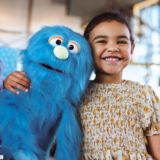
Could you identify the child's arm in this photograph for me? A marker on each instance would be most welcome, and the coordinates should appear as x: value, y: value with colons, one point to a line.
x: 151, y: 120
x: 17, y: 79
x: 154, y: 145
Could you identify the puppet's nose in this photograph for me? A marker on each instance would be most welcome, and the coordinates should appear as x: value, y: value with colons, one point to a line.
x: 61, y: 52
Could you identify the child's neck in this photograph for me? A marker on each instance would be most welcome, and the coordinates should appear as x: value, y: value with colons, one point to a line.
x: 108, y: 79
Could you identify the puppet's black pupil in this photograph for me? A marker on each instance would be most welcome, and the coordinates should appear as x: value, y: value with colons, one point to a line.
x: 58, y: 42
x: 71, y: 47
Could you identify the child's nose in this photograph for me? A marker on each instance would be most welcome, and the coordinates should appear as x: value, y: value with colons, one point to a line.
x: 113, y: 49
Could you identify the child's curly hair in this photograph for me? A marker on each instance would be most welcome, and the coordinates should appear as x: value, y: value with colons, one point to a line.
x: 118, y: 16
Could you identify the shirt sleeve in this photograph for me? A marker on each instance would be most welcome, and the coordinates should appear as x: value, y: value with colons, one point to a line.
x: 150, y: 112
x: 1, y: 81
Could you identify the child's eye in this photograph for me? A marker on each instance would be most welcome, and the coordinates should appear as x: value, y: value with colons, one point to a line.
x: 101, y: 41
x: 122, y: 42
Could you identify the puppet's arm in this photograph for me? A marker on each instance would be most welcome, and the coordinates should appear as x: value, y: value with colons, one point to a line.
x: 1, y: 81
x: 68, y: 136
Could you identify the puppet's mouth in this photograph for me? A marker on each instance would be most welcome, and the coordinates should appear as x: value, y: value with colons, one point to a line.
x: 49, y: 67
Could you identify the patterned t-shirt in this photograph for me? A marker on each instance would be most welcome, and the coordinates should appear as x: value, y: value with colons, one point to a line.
x: 115, y: 119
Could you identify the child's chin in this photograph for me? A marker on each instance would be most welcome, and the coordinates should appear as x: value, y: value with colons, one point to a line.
x: 112, y: 72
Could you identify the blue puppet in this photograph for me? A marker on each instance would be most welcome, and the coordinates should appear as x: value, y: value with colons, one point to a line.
x: 58, y: 62
x: 1, y: 81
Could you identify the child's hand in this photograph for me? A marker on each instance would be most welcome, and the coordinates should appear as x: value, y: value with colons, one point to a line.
x: 17, y: 79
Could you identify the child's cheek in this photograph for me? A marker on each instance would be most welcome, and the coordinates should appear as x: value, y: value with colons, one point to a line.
x: 96, y: 51
x: 126, y: 52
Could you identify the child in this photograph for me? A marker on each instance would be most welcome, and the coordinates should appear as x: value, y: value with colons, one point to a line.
x: 115, y: 114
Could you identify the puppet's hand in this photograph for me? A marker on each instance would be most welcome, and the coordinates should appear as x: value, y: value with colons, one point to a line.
x: 17, y: 79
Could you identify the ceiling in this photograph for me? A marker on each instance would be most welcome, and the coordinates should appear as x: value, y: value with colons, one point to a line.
x: 88, y: 8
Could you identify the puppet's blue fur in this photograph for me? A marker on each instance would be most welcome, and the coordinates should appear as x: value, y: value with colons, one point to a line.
x: 29, y: 121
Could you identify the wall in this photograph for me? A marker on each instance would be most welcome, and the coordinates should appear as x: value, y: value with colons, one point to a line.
x: 13, y: 17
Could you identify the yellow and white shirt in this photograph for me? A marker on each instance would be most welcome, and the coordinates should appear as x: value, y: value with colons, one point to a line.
x: 115, y: 118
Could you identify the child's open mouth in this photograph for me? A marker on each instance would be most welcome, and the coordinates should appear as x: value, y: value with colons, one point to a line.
x: 49, y: 67
x: 112, y: 59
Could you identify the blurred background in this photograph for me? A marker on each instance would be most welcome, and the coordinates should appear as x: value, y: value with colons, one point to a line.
x: 20, y: 19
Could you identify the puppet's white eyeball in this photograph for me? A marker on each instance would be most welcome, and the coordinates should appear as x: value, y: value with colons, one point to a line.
x: 73, y: 47
x: 54, y: 41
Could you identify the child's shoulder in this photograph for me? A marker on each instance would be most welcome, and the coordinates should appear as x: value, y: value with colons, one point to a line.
x: 132, y: 84
x: 131, y: 87
x: 145, y: 90
x: 125, y: 84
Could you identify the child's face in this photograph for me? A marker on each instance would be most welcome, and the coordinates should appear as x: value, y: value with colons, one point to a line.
x: 111, y: 46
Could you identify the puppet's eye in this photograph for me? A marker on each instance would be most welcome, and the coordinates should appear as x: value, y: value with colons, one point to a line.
x: 54, y: 41
x: 73, y: 47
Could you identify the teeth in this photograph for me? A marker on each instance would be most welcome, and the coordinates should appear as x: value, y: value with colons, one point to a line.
x: 112, y: 59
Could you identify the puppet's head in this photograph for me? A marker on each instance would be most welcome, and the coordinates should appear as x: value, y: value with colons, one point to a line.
x: 61, y: 54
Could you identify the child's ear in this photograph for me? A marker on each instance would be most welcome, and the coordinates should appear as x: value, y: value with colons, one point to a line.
x: 132, y: 48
